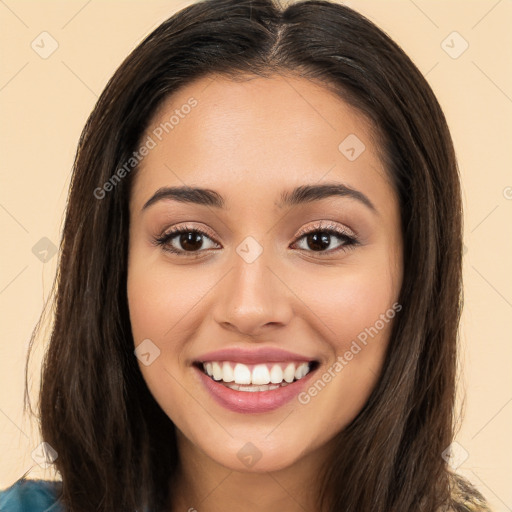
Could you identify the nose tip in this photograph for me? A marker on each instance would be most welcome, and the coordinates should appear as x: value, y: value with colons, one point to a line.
x: 253, y: 300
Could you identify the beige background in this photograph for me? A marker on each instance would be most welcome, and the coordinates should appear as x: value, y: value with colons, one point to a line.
x: 44, y: 104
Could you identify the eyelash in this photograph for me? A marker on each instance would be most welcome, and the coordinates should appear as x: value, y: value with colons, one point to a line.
x: 330, y: 229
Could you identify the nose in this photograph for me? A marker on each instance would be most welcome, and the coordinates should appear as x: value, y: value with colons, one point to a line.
x: 254, y: 298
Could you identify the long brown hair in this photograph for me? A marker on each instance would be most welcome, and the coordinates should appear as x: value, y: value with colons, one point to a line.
x: 116, y: 447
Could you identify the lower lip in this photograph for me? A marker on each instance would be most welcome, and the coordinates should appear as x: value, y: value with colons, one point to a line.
x: 252, y: 401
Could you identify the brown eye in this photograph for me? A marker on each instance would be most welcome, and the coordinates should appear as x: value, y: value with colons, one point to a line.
x: 320, y: 240
x: 190, y: 241
x: 185, y: 240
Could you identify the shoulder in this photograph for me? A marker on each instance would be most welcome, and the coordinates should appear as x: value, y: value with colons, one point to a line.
x: 31, y: 496
x: 465, y: 497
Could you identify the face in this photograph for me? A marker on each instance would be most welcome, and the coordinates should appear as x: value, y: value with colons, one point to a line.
x: 286, y: 298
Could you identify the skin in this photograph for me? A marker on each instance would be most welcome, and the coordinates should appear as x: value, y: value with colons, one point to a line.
x: 249, y: 141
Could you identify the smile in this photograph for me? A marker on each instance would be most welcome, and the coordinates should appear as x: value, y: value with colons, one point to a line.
x: 254, y: 381
x: 256, y: 377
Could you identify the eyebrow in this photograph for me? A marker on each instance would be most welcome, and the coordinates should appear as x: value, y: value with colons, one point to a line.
x: 299, y: 195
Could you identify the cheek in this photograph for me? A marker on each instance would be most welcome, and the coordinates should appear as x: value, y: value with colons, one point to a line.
x: 157, y: 315
x: 348, y: 301
x: 355, y: 306
x: 160, y: 298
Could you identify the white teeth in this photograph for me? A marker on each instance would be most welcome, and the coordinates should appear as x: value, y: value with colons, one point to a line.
x: 261, y: 378
x: 276, y: 374
x: 301, y: 371
x: 289, y: 373
x: 260, y: 374
x: 227, y: 373
x: 242, y: 374
x: 217, y: 371
x: 266, y: 387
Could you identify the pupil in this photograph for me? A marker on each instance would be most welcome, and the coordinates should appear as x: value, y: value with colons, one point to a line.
x: 318, y: 242
x: 187, y: 241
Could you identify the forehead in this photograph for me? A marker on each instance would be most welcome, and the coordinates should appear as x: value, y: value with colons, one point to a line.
x: 267, y: 132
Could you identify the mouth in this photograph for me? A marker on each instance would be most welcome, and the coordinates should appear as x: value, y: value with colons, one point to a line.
x: 256, y: 377
x: 254, y: 387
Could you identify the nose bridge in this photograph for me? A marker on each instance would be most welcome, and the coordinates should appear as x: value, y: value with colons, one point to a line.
x: 252, y: 296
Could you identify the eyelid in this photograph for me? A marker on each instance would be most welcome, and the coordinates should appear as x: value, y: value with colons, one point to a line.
x: 327, y: 225
x: 324, y: 225
x: 186, y: 227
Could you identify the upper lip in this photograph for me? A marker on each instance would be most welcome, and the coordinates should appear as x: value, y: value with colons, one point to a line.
x: 253, y: 356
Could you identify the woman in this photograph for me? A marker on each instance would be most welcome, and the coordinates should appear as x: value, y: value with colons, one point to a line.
x: 259, y: 286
